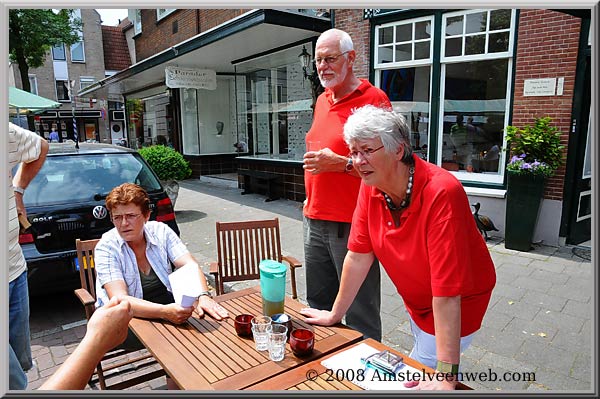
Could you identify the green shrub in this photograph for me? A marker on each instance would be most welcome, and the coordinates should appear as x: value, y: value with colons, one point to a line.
x: 167, y: 163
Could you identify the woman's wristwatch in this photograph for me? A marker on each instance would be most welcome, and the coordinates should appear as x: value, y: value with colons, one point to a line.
x: 446, y: 368
x: 205, y: 293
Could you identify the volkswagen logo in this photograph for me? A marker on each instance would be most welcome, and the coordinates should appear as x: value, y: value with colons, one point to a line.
x: 99, y: 212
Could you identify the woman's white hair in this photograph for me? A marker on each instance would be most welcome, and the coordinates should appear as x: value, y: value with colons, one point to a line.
x: 371, y: 122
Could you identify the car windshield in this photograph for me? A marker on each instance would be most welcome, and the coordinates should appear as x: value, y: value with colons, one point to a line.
x: 89, y: 177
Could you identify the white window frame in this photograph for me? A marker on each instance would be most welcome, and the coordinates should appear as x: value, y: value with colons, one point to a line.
x: 135, y: 16
x: 380, y: 67
x: 486, y: 55
x: 413, y: 62
x: 464, y: 175
x: 64, y: 52
x: 163, y: 12
x: 77, y: 14
x: 33, y: 84
x: 86, y: 79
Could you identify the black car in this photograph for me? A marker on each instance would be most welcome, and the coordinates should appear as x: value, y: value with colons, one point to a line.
x: 65, y: 201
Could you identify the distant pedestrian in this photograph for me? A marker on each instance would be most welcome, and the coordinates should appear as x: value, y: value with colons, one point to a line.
x: 53, y: 135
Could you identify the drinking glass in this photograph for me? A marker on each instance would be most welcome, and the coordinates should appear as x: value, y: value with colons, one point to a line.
x: 313, y: 146
x: 261, y: 325
x: 277, y: 339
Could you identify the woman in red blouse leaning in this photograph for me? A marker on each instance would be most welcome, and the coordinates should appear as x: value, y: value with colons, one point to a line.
x: 415, y: 218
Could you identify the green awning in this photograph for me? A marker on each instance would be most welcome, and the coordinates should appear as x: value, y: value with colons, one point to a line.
x: 22, y: 102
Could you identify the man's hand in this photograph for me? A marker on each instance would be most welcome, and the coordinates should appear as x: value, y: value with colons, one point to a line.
x: 108, y: 325
x: 21, y: 212
x: 208, y: 305
x: 324, y: 160
x: 319, y: 317
x: 177, y: 314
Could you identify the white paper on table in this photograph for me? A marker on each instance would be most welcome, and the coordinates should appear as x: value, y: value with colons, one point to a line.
x: 350, y: 362
x: 185, y: 284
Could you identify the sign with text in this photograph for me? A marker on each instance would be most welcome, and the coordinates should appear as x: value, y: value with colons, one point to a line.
x: 539, y: 87
x: 190, y: 78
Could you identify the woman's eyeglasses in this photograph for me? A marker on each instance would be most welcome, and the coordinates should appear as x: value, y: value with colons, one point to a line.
x: 366, y: 153
x: 128, y: 217
x: 328, y: 60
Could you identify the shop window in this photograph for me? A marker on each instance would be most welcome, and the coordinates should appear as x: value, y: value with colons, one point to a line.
x: 474, y: 86
x: 274, y: 105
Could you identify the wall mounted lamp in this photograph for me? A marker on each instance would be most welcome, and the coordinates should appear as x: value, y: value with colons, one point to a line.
x: 310, y: 74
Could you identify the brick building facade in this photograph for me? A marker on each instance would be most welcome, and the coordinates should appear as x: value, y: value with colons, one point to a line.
x: 416, y: 56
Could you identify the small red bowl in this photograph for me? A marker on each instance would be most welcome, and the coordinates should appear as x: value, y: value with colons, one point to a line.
x: 243, y: 324
x: 302, y: 341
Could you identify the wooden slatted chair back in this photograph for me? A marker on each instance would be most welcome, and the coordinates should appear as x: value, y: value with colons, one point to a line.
x: 242, y: 245
x: 87, y: 269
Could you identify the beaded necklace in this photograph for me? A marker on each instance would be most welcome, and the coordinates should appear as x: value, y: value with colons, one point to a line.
x: 406, y: 201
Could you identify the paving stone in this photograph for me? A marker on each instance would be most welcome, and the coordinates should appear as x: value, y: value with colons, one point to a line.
x: 536, y: 353
x: 532, y: 283
x: 567, y: 291
x: 504, y: 343
x: 562, y: 321
x: 58, y: 351
x: 545, y: 275
x: 508, y: 291
x: 555, y: 381
x: 515, y: 268
x: 537, y: 330
x: 579, y: 309
x: 501, y: 259
x: 49, y: 371
x: 496, y: 320
x: 45, y: 362
x: 514, y: 308
x: 475, y: 353
x: 544, y: 301
x: 549, y: 266
x: 582, y: 367
x: 570, y: 340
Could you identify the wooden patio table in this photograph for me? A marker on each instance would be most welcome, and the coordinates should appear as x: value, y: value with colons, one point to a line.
x: 313, y: 376
x: 206, y: 354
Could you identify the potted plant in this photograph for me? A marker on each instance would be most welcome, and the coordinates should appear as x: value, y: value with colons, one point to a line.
x: 169, y: 165
x: 536, y: 155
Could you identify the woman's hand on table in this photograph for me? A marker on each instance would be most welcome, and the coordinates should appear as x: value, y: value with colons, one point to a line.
x: 320, y: 317
x: 208, y: 305
x: 433, y: 385
x: 176, y: 313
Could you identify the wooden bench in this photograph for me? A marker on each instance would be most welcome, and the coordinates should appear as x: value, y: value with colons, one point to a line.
x: 258, y: 179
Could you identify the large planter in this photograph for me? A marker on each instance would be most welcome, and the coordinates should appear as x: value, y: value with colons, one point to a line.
x: 525, y: 192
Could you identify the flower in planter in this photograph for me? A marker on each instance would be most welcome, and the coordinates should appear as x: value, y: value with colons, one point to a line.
x: 538, y: 146
x: 519, y: 165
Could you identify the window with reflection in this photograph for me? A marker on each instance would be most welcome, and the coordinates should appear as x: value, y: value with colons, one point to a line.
x: 274, y: 105
x: 471, y: 89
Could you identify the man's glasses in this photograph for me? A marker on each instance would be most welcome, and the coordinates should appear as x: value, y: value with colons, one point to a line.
x: 128, y: 217
x: 328, y: 60
x: 366, y: 153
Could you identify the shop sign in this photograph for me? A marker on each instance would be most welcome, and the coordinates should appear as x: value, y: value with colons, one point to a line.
x: 190, y: 78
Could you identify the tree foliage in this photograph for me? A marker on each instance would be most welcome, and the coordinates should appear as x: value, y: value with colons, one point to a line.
x: 33, y: 32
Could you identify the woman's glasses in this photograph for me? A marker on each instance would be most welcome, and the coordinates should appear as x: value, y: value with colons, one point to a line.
x: 366, y: 153
x: 128, y: 217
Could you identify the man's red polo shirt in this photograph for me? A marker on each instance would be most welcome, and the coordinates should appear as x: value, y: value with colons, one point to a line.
x: 436, y: 251
x: 332, y: 196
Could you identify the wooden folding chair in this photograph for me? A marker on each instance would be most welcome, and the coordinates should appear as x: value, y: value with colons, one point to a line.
x: 240, y: 248
x: 117, y: 361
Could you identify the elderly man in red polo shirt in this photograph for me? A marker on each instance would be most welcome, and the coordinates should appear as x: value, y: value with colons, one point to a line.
x: 332, y: 184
